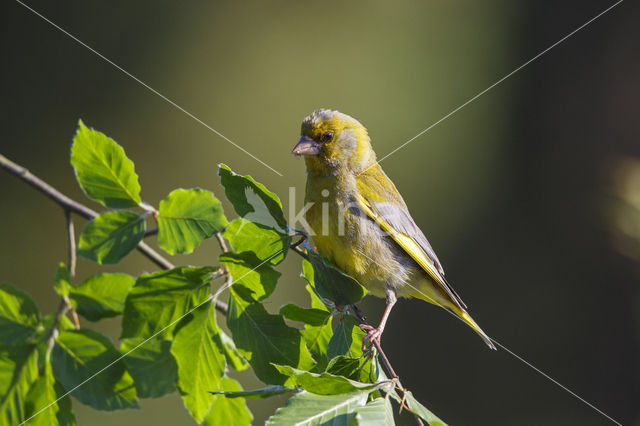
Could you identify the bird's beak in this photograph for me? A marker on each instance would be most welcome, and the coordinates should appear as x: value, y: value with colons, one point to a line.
x: 306, y: 146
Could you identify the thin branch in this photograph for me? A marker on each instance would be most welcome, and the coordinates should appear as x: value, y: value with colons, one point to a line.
x: 151, y: 232
x: 225, y: 271
x: 385, y: 361
x: 72, y: 243
x: 70, y: 205
x: 72, y: 263
x: 154, y: 256
x: 222, y: 242
x: 48, y: 190
x: 294, y: 246
x: 63, y: 307
x: 73, y: 206
x: 303, y: 238
x: 301, y: 253
x: 221, y: 307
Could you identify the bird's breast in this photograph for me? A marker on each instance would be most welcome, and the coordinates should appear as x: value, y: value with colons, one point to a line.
x: 344, y: 235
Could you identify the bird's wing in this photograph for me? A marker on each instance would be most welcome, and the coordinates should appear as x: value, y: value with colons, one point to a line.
x: 394, y: 219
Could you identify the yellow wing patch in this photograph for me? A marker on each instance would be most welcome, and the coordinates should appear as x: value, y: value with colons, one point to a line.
x: 412, y: 248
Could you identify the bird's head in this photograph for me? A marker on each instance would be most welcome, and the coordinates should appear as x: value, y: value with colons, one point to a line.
x: 334, y: 143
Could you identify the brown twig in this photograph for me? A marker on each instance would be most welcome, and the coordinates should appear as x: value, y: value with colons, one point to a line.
x: 221, y: 307
x: 71, y: 232
x: 228, y: 281
x: 386, y: 364
x: 70, y: 205
x: 63, y: 307
x: 385, y: 361
x: 73, y: 206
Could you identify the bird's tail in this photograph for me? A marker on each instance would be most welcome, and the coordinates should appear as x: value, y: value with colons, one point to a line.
x: 464, y: 316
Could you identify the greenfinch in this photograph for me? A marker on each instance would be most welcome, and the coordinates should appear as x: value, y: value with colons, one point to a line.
x: 360, y: 223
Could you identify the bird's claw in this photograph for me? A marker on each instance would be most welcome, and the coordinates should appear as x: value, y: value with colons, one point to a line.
x: 373, y: 336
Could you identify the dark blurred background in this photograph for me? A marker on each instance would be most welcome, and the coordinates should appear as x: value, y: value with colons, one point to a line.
x: 530, y: 194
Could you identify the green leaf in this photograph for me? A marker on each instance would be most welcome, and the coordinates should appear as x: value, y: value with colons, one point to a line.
x: 151, y: 365
x: 18, y: 370
x: 264, y: 242
x: 231, y: 353
x: 103, y: 170
x: 45, y: 404
x: 252, y: 280
x: 330, y: 282
x: 363, y: 369
x: 323, y: 383
x: 158, y: 301
x: 316, y: 301
x: 265, y: 392
x: 347, y: 338
x: 344, y: 366
x: 62, y: 280
x: 101, y: 296
x: 317, y: 337
x: 19, y: 316
x: 186, y: 218
x: 378, y: 412
x: 421, y: 411
x: 252, y: 200
x: 263, y: 339
x: 111, y: 236
x: 78, y: 356
x: 315, y: 317
x: 200, y: 363
x: 307, y: 408
x: 228, y: 411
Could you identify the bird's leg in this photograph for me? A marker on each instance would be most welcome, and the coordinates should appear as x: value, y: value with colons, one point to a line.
x: 374, y: 334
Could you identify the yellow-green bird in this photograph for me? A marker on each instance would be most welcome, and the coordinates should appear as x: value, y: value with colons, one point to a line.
x: 360, y: 222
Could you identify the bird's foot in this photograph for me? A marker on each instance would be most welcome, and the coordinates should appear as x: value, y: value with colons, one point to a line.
x: 373, y: 336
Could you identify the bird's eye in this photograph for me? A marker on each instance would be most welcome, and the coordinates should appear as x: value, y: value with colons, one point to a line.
x: 326, y: 137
